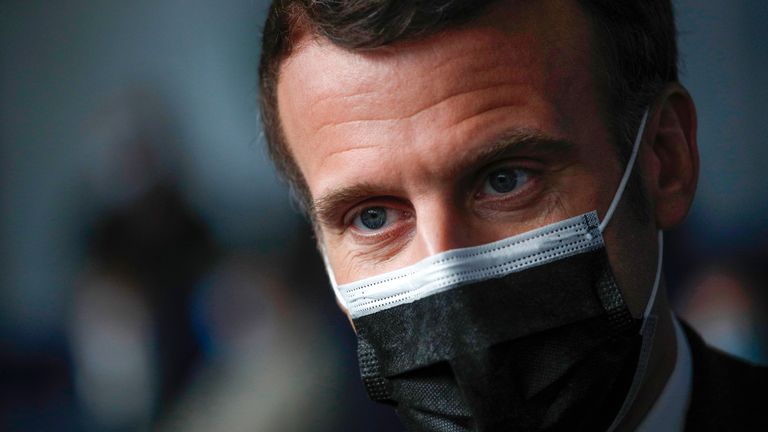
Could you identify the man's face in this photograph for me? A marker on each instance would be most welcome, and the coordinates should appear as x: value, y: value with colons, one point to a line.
x: 456, y: 140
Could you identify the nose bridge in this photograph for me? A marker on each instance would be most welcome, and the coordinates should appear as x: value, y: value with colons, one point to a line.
x: 441, y: 226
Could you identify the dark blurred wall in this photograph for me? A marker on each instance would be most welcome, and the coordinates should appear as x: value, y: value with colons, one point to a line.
x: 724, y: 53
x: 716, y: 269
x: 62, y: 62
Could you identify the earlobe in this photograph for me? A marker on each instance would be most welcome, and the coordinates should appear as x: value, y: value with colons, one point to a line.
x: 675, y: 156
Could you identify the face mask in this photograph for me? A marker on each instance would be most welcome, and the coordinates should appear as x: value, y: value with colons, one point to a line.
x: 527, y: 333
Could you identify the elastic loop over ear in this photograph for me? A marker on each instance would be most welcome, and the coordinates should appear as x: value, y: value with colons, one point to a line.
x: 656, y: 282
x: 627, y: 172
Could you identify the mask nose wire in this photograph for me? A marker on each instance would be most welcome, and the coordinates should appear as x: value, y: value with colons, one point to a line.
x: 627, y: 173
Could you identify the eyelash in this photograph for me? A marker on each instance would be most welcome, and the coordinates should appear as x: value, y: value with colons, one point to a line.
x: 501, y: 202
x: 532, y: 179
x: 375, y: 237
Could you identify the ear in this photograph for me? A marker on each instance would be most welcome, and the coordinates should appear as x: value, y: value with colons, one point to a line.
x: 674, y: 160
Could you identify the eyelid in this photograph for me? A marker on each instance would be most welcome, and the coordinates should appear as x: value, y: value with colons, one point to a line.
x: 391, y: 217
x: 522, y: 177
x: 388, y: 203
x: 381, y: 238
x: 514, y: 200
x: 530, y: 166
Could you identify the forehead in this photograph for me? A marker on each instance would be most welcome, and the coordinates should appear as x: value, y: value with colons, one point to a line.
x: 533, y: 55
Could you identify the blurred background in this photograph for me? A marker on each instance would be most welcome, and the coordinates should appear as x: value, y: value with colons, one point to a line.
x: 154, y: 274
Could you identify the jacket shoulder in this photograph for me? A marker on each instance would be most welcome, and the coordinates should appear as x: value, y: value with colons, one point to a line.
x: 727, y: 393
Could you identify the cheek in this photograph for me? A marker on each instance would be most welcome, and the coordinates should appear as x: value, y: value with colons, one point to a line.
x: 334, y: 260
x: 600, y: 171
x: 584, y: 187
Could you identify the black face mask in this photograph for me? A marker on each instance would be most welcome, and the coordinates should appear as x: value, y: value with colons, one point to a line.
x: 553, y: 347
x: 527, y: 333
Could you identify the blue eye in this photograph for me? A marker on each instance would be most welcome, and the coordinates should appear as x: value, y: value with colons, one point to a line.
x: 503, y: 181
x: 374, y: 218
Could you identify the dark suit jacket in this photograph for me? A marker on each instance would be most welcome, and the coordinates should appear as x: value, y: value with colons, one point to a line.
x: 728, y: 394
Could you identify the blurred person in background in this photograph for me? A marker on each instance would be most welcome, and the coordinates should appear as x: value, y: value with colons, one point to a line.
x: 169, y: 331
x: 133, y: 344
x: 726, y: 303
x: 489, y: 183
x: 270, y: 364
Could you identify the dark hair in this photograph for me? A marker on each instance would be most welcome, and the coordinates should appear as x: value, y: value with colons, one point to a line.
x: 635, y: 43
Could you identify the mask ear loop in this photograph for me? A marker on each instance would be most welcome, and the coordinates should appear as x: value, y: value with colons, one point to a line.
x: 615, y: 202
x: 648, y: 326
x: 656, y: 282
x: 647, y: 332
x: 627, y: 173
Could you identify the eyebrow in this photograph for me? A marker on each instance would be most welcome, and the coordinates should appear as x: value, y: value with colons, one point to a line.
x: 512, y: 143
x: 326, y: 209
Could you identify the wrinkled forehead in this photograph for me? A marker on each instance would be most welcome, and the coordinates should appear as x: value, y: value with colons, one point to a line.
x: 552, y: 33
x: 332, y: 81
x: 542, y: 45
